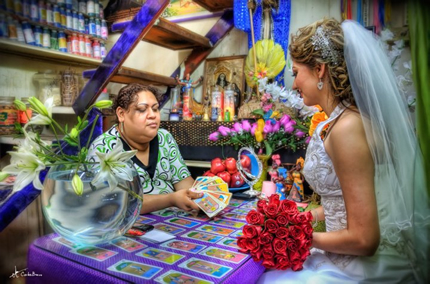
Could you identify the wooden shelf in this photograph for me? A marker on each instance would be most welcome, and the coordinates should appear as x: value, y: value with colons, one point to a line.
x: 169, y: 35
x: 197, y: 164
x: 19, y: 48
x: 128, y: 75
x: 214, y: 6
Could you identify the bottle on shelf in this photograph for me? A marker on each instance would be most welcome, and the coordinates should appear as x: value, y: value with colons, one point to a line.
x: 96, y: 49
x: 54, y: 40
x: 75, y: 21
x: 42, y: 12
x: 69, y: 44
x: 49, y: 15
x: 216, y: 104
x: 104, y: 30
x: 3, y: 26
x: 26, y: 9
x: 62, y: 42
x: 92, y: 27
x: 63, y: 18
x: 18, y: 7
x: 19, y: 31
x: 56, y: 16
x: 102, y: 50
x: 9, y: 115
x: 81, y: 45
x: 81, y: 23
x: 88, y: 47
x: 75, y: 44
x: 9, y: 6
x: 34, y: 11
x: 46, y: 41
x: 38, y: 36
x: 69, y: 19
x: 13, y: 35
x: 228, y: 104
x: 101, y: 14
x: 96, y: 8
x: 82, y: 6
x: 69, y: 4
x: 90, y: 8
x: 98, y: 28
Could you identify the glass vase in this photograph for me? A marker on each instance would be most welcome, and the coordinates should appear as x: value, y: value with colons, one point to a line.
x: 265, y: 162
x: 98, y: 215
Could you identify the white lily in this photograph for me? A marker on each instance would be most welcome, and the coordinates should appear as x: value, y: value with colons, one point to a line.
x: 114, y: 165
x: 27, y: 167
x: 30, y: 145
x: 44, y: 116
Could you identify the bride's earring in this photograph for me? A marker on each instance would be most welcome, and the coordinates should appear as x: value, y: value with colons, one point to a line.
x: 320, y: 84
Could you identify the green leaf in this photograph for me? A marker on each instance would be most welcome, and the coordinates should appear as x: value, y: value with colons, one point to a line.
x: 259, y: 112
x: 70, y: 141
x: 268, y: 148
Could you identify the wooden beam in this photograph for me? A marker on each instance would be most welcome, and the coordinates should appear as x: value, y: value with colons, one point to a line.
x: 131, y: 36
x: 215, y: 5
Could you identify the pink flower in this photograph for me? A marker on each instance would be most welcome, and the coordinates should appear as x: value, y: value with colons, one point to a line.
x: 253, y: 128
x: 224, y: 130
x: 237, y: 127
x: 299, y: 134
x: 308, y: 139
x: 268, y: 128
x: 276, y: 126
x: 285, y: 119
x: 214, y: 136
x: 267, y: 107
x: 246, y: 126
x: 289, y: 128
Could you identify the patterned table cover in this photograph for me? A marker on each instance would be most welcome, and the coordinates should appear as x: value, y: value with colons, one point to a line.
x: 204, y: 251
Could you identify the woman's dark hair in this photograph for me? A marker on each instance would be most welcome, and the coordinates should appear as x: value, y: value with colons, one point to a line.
x: 128, y: 95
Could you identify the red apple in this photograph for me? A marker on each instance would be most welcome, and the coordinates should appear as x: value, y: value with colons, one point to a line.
x: 236, y: 180
x: 208, y: 173
x: 225, y: 177
x: 245, y: 161
x: 217, y: 166
x: 230, y: 164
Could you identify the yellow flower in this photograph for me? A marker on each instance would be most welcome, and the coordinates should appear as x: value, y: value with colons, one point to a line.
x: 258, y: 135
x: 316, y: 119
x: 260, y: 125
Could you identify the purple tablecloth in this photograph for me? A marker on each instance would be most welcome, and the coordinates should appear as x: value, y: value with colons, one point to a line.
x: 59, y: 263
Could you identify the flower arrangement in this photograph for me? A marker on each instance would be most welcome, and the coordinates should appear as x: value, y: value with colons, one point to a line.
x: 34, y: 155
x: 277, y: 234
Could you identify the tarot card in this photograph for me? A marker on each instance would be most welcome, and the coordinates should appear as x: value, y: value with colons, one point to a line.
x: 241, y: 211
x: 96, y: 253
x: 160, y: 255
x: 230, y: 242
x: 248, y: 206
x: 210, y: 205
x: 135, y: 269
x: 66, y: 242
x: 198, y: 217
x: 171, y: 211
x: 127, y: 244
x: 202, y: 236
x: 145, y: 220
x: 236, y: 234
x: 182, y: 222
x: 235, y: 203
x: 214, y: 187
x: 228, y: 223
x: 176, y: 277
x: 215, y: 230
x: 205, y: 267
x: 233, y: 215
x: 183, y: 246
x: 241, y: 201
x: 224, y: 197
x: 223, y: 254
x: 168, y: 228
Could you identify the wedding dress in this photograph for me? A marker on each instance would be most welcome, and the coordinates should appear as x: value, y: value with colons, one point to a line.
x: 390, y: 263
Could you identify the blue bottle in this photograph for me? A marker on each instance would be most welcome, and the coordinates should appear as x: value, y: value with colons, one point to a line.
x: 62, y: 42
x: 92, y: 27
x: 34, y: 11
x: 57, y: 16
x: 38, y: 36
x: 75, y: 21
x: 81, y: 23
x: 28, y: 33
x: 69, y: 19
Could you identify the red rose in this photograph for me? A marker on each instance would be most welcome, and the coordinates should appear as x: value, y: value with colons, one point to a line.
x: 254, y: 218
x: 301, y: 218
x: 297, y: 233
x: 297, y: 266
x: 271, y: 210
x: 282, y: 233
x: 266, y: 238
x: 294, y: 256
x: 282, y: 262
x: 280, y: 246
x: 267, y: 252
x: 274, y: 200
x: 282, y: 219
x: 289, y: 207
x: 251, y: 231
x: 242, y: 242
x: 261, y: 204
x: 257, y: 256
x: 271, y: 226
x: 307, y: 229
x: 309, y: 216
x: 301, y: 243
x: 269, y: 263
x: 304, y: 253
x: 291, y: 244
x: 253, y: 245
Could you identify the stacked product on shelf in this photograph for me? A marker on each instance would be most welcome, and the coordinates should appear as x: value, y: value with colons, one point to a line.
x: 72, y: 26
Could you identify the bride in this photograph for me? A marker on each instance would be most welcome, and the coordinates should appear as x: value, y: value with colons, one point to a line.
x: 364, y: 162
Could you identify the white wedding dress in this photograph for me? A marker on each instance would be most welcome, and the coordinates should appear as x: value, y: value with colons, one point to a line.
x: 390, y: 263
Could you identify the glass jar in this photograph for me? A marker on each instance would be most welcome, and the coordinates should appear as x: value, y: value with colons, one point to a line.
x: 48, y: 86
x: 69, y: 87
x: 8, y: 116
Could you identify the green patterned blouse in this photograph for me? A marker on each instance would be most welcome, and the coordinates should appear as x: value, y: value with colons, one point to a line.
x: 166, y: 165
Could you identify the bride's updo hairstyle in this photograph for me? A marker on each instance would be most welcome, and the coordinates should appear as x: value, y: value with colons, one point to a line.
x: 322, y: 43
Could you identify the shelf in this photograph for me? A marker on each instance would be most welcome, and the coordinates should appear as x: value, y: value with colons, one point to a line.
x: 63, y: 110
x: 214, y: 6
x: 197, y: 164
x: 128, y: 75
x: 19, y: 48
x: 169, y: 35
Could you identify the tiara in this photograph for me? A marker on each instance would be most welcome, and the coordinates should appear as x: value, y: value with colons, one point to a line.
x: 321, y: 41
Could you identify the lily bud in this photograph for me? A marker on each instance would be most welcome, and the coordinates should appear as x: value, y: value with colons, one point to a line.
x: 77, y: 185
x: 74, y: 133
x: 19, y: 105
x: 38, y: 106
x: 103, y: 104
x: 3, y: 176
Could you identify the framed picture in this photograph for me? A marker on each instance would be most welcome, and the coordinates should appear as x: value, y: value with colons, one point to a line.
x: 186, y: 10
x: 223, y: 71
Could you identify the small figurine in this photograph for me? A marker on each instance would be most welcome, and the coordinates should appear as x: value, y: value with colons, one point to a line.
x: 187, y: 83
x: 296, y: 192
x: 187, y: 95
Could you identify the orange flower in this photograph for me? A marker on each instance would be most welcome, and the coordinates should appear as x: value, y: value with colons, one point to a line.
x: 316, y: 119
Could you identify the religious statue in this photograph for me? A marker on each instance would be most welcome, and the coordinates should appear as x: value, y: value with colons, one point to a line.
x: 297, y: 191
x: 187, y: 95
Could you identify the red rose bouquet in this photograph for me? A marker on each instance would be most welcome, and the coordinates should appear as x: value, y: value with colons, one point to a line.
x: 278, y: 234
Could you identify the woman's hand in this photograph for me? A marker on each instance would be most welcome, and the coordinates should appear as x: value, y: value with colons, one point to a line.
x: 183, y: 199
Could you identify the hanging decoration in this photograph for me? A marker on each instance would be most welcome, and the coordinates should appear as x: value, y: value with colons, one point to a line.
x: 281, y: 16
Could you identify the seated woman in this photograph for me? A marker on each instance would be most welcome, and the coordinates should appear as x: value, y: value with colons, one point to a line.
x: 164, y: 176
